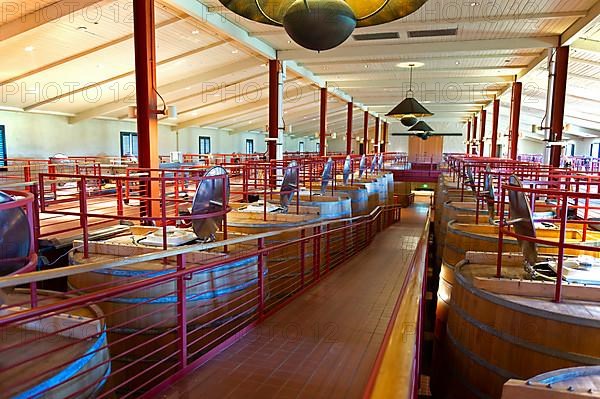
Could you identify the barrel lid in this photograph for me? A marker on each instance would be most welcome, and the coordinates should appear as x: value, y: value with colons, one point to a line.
x: 15, y: 238
x: 470, y: 180
x: 522, y: 219
x: 363, y: 165
x: 212, y: 196
x: 373, y: 163
x: 576, y: 379
x: 490, y: 193
x: 347, y: 169
x: 289, y: 185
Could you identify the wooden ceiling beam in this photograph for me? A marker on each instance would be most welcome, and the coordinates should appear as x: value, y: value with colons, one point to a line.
x: 580, y: 27
x: 81, y: 54
x: 250, y: 124
x: 224, y: 115
x: 39, y: 16
x: 395, y: 58
x: 210, y: 76
x: 401, y: 84
x: 456, y: 46
x: 405, y: 24
x: 123, y: 75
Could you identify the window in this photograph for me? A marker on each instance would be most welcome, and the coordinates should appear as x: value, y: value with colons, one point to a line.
x: 595, y: 150
x: 318, y: 147
x: 129, y: 144
x: 2, y: 146
x: 570, y: 150
x: 301, y: 146
x: 249, y: 146
x: 204, y: 144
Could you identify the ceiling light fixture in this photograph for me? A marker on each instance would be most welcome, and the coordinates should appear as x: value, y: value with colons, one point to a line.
x: 29, y: 49
x: 409, y: 109
x: 322, y: 24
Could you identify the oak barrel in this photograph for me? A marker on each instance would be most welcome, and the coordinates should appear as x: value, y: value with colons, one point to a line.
x: 77, y: 361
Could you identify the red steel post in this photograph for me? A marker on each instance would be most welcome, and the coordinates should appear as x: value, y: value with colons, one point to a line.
x: 366, y: 134
x: 145, y: 82
x: 323, y: 123
x: 273, y: 107
x: 558, y: 102
x: 376, y: 148
x: 515, y: 118
x: 495, y: 121
x: 469, y: 136
x: 482, y: 134
x: 349, y: 128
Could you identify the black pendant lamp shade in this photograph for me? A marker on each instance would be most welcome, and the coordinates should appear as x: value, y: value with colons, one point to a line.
x: 322, y: 24
x: 408, y: 120
x: 409, y: 108
x: 421, y: 127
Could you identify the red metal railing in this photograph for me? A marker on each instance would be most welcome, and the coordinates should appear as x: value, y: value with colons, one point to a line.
x: 565, y: 200
x: 164, y: 313
x: 386, y: 362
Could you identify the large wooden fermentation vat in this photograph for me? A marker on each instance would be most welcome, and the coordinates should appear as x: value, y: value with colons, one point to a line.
x: 461, y: 238
x: 141, y: 324
x: 506, y: 328
x: 310, y: 258
x: 76, y: 359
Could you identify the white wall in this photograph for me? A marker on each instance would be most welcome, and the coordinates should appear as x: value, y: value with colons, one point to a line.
x: 451, y: 143
x: 41, y: 136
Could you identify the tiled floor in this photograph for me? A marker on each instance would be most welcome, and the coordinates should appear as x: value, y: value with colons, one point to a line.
x: 323, y: 344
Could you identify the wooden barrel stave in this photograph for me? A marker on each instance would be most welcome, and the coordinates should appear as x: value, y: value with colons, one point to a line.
x: 216, y: 296
x: 492, y: 338
x: 92, y: 356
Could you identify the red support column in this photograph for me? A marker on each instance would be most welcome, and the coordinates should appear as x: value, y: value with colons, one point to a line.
x: 323, y: 123
x: 559, y: 93
x: 385, y: 136
x: 469, y: 136
x: 515, y: 118
x: 145, y: 83
x: 366, y: 134
x: 274, y: 66
x: 482, y: 134
x: 376, y: 148
x: 495, y: 121
x: 349, y: 128
x: 474, y: 134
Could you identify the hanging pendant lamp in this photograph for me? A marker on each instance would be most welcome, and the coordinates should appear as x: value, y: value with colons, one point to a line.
x: 421, y: 127
x: 322, y: 24
x: 409, y: 109
x: 422, y: 130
